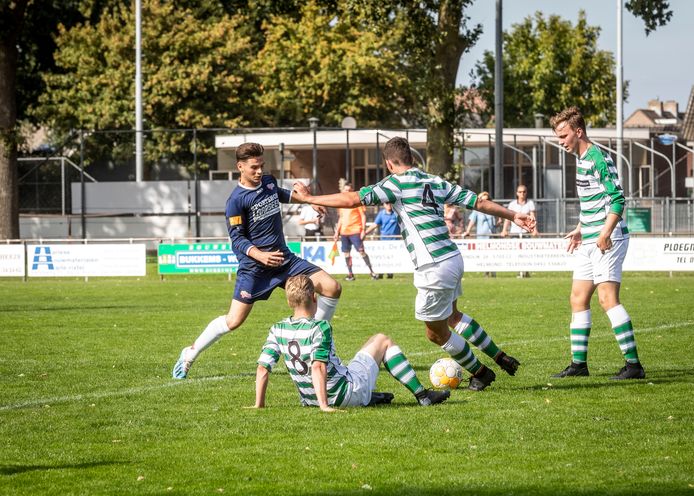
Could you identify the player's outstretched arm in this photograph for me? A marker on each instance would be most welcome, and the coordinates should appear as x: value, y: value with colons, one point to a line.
x: 262, y: 377
x: 319, y: 376
x: 347, y: 199
x: 493, y: 208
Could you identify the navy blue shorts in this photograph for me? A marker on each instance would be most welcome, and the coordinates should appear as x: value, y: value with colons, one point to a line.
x: 258, y: 283
x: 352, y: 240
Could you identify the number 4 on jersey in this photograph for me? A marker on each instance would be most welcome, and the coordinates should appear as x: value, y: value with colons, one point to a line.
x: 428, y: 199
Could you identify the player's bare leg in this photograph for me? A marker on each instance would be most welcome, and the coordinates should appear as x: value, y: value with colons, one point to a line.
x: 384, y: 350
x: 329, y: 291
x: 474, y: 333
x: 238, y: 312
x: 454, y: 344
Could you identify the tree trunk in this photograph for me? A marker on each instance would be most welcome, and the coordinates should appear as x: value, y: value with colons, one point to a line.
x: 9, y: 194
x: 441, y: 106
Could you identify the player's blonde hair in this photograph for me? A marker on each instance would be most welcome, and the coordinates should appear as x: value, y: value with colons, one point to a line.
x: 572, y: 116
x: 299, y: 290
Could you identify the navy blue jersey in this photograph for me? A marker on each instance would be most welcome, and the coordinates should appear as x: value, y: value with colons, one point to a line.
x: 254, y: 218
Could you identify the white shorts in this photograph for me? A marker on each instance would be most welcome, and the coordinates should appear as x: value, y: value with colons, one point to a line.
x: 438, y: 286
x: 592, y: 265
x: 364, y: 371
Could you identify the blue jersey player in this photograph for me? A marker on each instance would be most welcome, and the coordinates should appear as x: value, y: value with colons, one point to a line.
x: 254, y: 222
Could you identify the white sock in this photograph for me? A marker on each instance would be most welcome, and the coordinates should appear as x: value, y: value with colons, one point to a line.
x: 618, y: 315
x: 326, y: 307
x: 214, y: 330
x: 581, y: 320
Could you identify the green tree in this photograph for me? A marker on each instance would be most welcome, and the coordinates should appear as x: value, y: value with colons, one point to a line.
x: 26, y: 48
x: 654, y: 13
x: 325, y: 65
x: 551, y: 64
x: 194, y: 74
x: 431, y: 37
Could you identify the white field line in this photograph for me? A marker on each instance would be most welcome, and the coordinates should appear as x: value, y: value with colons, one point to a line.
x: 637, y: 331
x: 111, y: 394
x: 174, y: 383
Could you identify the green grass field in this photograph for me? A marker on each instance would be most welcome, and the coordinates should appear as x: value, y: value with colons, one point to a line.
x: 88, y: 405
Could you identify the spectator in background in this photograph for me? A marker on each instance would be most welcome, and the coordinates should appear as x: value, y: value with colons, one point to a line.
x: 486, y: 225
x: 311, y: 220
x: 523, y: 206
x: 351, y: 229
x: 453, y: 218
x: 387, y: 223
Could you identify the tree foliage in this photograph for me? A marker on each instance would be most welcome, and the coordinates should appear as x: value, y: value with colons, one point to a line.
x: 195, y: 73
x: 549, y: 64
x: 327, y: 65
x: 654, y: 13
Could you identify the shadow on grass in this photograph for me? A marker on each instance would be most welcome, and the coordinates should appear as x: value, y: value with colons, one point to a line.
x: 19, y: 469
x: 654, y: 378
x: 434, y: 490
x: 82, y: 308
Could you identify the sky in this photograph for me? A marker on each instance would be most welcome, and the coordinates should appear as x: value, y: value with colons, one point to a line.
x: 660, y: 65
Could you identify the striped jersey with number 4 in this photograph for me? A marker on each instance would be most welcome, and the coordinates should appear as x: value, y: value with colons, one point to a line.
x: 600, y: 193
x: 300, y: 341
x: 418, y: 199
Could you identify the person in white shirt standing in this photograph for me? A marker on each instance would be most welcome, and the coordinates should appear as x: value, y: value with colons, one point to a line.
x: 523, y: 206
x: 310, y: 219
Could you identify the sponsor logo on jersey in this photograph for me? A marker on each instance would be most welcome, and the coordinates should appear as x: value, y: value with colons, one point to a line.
x: 235, y: 220
x: 582, y: 183
x: 270, y: 186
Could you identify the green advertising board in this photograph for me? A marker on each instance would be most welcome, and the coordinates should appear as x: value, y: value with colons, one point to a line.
x: 196, y: 258
x: 639, y: 219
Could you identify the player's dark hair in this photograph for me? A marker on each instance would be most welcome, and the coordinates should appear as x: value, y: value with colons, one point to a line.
x: 299, y: 290
x: 397, y: 150
x: 572, y: 116
x: 249, y: 150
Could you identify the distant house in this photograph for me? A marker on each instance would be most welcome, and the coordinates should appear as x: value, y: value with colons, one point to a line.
x: 659, y: 117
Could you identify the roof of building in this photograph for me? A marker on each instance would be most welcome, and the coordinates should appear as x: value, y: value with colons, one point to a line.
x: 688, y: 124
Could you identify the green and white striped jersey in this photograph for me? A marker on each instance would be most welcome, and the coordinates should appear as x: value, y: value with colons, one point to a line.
x: 300, y: 342
x: 418, y: 200
x: 600, y: 193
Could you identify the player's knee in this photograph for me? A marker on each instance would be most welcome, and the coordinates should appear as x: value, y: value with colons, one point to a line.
x: 608, y: 301
x: 232, y: 321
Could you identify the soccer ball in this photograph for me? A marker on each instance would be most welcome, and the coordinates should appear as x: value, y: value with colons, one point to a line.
x: 446, y: 373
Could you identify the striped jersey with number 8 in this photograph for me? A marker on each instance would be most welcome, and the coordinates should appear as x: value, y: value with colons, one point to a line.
x: 418, y: 199
x: 300, y: 341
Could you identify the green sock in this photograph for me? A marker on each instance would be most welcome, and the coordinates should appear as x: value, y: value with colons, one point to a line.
x: 399, y: 367
x: 580, y: 332
x: 624, y: 333
x: 473, y: 332
x: 460, y: 351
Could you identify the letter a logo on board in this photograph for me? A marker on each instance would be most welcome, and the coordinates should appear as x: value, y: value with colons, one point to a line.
x: 42, y: 259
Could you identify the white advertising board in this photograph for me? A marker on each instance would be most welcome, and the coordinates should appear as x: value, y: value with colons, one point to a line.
x: 12, y: 261
x: 508, y: 255
x: 54, y: 260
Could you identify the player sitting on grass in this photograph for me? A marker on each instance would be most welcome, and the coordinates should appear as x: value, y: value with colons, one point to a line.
x: 321, y: 378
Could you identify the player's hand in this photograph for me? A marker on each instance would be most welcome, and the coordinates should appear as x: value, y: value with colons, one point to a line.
x: 322, y: 211
x: 271, y: 258
x: 329, y: 409
x: 575, y: 240
x: 300, y: 192
x: 336, y: 236
x: 604, y: 243
x: 362, y: 234
x: 524, y: 221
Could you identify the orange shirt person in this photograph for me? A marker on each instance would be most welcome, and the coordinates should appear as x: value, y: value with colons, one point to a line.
x: 351, y: 229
